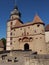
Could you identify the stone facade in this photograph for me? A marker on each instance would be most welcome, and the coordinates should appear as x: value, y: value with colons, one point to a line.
x: 26, y: 43
x: 29, y: 36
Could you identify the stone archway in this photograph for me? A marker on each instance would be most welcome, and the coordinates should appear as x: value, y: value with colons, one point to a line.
x: 26, y: 46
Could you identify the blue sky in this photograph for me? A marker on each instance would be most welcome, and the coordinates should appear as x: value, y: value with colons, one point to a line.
x: 28, y: 9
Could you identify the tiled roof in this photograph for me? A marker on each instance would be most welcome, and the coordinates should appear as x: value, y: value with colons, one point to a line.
x: 37, y: 19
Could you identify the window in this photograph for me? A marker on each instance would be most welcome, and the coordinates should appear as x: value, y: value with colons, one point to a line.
x: 10, y: 38
x: 9, y: 60
x: 14, y: 29
x: 26, y: 47
x: 15, y: 57
x: 11, y: 23
x: 38, y: 25
x: 28, y: 27
x: 3, y: 57
x: 11, y: 33
x: 30, y: 37
x: 27, y: 33
x: 20, y: 39
x: 15, y: 60
x: 11, y: 43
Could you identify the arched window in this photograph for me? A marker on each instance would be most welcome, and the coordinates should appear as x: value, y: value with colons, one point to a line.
x: 20, y: 39
x: 26, y: 46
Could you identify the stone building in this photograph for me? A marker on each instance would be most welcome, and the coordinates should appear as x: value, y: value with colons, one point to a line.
x: 27, y: 44
x: 29, y: 36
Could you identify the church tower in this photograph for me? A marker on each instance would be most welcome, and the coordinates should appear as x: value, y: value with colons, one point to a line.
x: 14, y: 18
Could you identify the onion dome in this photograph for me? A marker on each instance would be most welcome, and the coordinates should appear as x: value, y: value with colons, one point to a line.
x: 47, y: 28
x: 16, y: 12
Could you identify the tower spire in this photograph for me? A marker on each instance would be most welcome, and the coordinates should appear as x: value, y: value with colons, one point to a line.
x: 15, y: 6
x: 14, y: 2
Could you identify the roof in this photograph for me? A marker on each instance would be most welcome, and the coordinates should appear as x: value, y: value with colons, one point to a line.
x: 37, y: 19
x: 1, y: 44
x: 18, y: 23
x: 47, y: 28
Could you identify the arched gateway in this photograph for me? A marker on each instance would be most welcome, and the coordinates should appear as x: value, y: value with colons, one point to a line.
x: 26, y: 46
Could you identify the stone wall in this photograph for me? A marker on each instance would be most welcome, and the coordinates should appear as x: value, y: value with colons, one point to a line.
x: 23, y: 58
